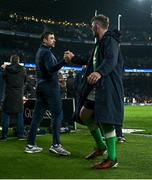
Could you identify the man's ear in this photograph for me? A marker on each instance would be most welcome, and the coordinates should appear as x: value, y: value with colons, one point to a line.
x: 97, y: 26
x: 44, y: 40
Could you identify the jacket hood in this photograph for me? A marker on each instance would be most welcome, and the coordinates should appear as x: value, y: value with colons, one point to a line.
x: 114, y: 33
x: 14, y: 68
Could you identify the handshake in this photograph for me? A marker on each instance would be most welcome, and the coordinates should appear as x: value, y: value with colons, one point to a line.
x: 3, y: 66
x: 68, y: 55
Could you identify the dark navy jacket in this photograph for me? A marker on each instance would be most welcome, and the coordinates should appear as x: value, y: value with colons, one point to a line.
x: 109, y: 106
x: 47, y: 74
x: 47, y: 65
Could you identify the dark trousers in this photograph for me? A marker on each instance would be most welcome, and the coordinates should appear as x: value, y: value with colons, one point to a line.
x: 19, y: 124
x: 118, y: 129
x: 48, y: 98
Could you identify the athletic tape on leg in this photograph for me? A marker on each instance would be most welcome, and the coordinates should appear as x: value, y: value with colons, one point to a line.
x: 110, y: 134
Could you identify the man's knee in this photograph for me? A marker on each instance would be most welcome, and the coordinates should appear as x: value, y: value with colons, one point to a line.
x: 85, y: 113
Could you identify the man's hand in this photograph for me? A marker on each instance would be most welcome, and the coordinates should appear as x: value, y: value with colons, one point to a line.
x: 24, y: 99
x: 93, y: 78
x: 3, y: 66
x: 68, y: 55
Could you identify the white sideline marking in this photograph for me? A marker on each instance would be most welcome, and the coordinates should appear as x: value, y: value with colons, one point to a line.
x: 128, y: 131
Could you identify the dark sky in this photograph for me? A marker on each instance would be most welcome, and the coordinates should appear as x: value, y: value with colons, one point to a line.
x: 134, y: 12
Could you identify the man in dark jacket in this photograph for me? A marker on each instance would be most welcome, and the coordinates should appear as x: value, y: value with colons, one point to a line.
x: 77, y: 82
x: 101, y: 98
x: 1, y: 90
x: 1, y: 85
x: 14, y: 78
x: 70, y: 85
x: 48, y: 95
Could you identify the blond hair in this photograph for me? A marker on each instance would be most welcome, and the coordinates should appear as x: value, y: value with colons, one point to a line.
x: 103, y: 20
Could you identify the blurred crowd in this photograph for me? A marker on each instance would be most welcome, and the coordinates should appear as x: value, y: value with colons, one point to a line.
x: 21, y: 26
x: 131, y: 34
x: 138, y: 86
x: 26, y: 49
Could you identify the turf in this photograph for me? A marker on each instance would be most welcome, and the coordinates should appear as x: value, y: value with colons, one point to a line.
x: 139, y: 117
x: 134, y: 156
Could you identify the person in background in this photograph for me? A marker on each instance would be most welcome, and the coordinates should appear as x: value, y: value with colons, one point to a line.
x: 14, y: 79
x: 1, y: 90
x: 70, y: 85
x: 62, y: 85
x: 29, y: 89
x: 78, y: 82
x: 120, y: 137
x: 1, y: 84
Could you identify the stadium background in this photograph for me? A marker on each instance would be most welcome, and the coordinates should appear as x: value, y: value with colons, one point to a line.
x: 21, y: 24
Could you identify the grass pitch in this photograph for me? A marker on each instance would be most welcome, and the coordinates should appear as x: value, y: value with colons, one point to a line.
x: 134, y: 156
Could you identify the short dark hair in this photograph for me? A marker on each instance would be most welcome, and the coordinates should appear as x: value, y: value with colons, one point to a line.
x: 45, y: 35
x: 70, y: 73
x: 14, y: 59
x: 104, y: 21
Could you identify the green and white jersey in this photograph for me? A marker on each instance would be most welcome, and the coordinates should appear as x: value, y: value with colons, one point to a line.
x: 91, y: 95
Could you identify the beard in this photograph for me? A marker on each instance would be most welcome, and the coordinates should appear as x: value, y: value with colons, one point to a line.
x: 95, y: 34
x: 51, y: 45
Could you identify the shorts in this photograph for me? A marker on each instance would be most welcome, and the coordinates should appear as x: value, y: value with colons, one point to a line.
x: 89, y: 104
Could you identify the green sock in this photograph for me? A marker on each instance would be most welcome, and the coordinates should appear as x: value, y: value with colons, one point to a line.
x: 110, y: 141
x: 96, y: 133
x: 111, y: 148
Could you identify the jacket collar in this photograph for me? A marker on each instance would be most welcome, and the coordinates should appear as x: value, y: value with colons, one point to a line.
x: 42, y: 45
